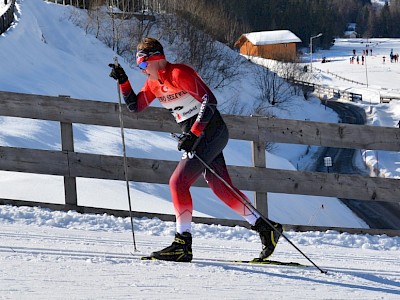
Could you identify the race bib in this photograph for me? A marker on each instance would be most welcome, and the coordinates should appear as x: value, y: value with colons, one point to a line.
x: 181, y: 105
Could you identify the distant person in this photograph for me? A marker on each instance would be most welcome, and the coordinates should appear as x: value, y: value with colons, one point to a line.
x: 354, y: 52
x: 398, y: 124
x: 384, y: 59
x: 194, y: 106
x: 362, y: 60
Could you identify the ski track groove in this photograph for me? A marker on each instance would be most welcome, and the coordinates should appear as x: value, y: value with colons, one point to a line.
x: 245, y: 253
x: 129, y: 256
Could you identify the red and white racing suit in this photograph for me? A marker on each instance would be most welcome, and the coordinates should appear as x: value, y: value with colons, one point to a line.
x: 181, y: 90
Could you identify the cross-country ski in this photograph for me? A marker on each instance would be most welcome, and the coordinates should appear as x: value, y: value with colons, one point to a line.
x: 254, y: 261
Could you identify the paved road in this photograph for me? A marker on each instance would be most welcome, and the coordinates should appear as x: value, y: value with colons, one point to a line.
x: 379, y: 215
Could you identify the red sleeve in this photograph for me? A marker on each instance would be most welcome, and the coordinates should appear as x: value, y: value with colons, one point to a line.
x: 188, y: 80
x: 145, y: 97
x: 136, y: 103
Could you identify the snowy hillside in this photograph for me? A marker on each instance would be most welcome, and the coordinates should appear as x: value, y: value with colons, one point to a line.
x: 59, y: 58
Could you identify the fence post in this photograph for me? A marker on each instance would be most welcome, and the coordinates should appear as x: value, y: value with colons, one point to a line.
x: 67, y: 145
x: 259, y: 160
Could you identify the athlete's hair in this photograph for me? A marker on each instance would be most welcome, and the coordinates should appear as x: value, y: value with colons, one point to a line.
x: 149, y: 44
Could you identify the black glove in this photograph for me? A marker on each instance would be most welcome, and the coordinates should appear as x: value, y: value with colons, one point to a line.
x: 118, y: 73
x: 187, y: 141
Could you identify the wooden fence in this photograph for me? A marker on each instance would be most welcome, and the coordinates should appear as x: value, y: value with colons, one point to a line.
x: 326, y: 92
x: 257, y: 130
x: 8, y: 17
x: 386, y: 98
x: 329, y: 92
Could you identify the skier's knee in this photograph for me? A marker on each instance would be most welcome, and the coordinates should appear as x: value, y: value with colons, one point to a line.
x: 177, y: 183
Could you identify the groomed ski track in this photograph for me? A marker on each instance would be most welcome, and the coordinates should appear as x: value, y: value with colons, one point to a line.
x: 45, y: 262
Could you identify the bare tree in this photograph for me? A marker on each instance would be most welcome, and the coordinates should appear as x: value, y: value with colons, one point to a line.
x: 273, y: 91
x: 197, y: 48
x: 96, y: 13
x: 110, y: 22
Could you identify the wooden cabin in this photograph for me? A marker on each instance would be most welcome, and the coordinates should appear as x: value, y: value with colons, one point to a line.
x: 276, y: 44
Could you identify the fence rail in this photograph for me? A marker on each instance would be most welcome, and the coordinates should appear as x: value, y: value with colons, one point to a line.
x: 7, y: 18
x: 326, y: 93
x: 330, y: 92
x: 387, y: 98
x: 257, y: 130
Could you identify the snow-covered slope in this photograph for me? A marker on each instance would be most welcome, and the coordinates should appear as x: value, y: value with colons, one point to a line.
x: 55, y: 255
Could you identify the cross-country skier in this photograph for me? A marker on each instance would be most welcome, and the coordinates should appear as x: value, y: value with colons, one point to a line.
x: 181, y: 90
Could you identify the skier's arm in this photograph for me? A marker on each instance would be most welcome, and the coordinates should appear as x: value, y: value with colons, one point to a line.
x: 136, y: 103
x: 188, y: 80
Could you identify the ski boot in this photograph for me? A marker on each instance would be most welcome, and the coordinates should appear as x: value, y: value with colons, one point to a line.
x: 180, y: 250
x: 269, y: 237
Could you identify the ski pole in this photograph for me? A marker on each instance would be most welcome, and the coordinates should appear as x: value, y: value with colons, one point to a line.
x: 121, y: 122
x: 250, y: 206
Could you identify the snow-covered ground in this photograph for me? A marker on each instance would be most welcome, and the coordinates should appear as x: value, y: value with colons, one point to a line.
x: 4, y: 7
x: 55, y: 255
x: 58, y: 255
x: 373, y: 72
x: 383, y: 80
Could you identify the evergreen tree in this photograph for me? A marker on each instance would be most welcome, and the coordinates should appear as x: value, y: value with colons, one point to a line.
x: 227, y: 20
x: 385, y: 27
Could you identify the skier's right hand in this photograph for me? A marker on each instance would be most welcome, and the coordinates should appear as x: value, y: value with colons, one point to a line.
x: 187, y: 142
x: 118, y: 73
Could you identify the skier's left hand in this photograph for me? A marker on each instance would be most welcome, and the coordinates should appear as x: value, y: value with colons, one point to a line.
x: 187, y: 141
x: 118, y: 73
